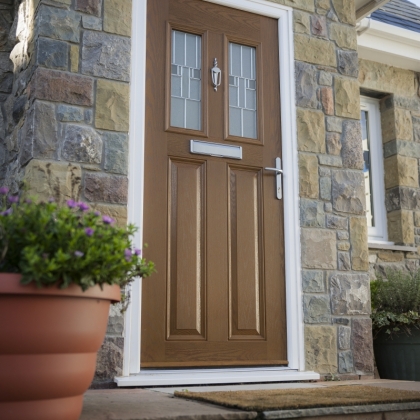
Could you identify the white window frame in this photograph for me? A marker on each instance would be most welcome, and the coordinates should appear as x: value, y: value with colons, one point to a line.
x: 132, y: 374
x: 379, y: 232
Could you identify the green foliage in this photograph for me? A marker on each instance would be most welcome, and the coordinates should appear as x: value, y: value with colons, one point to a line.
x: 396, y: 302
x: 71, y: 244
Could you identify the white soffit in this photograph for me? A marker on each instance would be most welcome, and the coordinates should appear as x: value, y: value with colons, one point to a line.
x: 366, y: 7
x: 389, y: 44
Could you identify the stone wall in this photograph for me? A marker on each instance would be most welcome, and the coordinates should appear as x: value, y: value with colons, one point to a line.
x: 8, y: 39
x: 336, y: 299
x: 66, y: 125
x: 400, y: 121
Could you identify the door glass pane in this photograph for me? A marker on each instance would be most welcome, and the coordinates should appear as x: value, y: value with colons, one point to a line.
x: 186, y: 80
x: 367, y: 170
x: 242, y: 91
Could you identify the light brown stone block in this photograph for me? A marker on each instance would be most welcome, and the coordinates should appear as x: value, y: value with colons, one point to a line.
x: 417, y: 218
x: 314, y: 50
x: 345, y: 11
x: 298, y: 4
x: 321, y: 348
x: 112, y: 105
x: 344, y: 36
x: 311, y: 130
x: 403, y: 124
x: 318, y: 248
x: 347, y: 98
x: 389, y: 256
x: 401, y: 227
x: 74, y: 58
x: 343, y: 246
x: 359, y: 244
x: 308, y: 176
x: 384, y: 78
x: 401, y: 171
x: 61, y: 181
x: 301, y: 22
x: 117, y: 17
x: 388, y: 125
x: 119, y: 213
x: 323, y: 6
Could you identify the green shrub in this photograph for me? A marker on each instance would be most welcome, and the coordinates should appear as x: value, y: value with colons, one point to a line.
x: 396, y: 302
x: 71, y: 244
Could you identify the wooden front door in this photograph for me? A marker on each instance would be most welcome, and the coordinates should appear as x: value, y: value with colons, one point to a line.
x: 213, y: 224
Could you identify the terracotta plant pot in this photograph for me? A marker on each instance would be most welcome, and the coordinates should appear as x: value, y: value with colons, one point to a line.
x: 48, y: 343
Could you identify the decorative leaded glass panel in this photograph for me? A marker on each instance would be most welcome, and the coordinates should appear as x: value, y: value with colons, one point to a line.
x: 186, y: 81
x: 242, y: 91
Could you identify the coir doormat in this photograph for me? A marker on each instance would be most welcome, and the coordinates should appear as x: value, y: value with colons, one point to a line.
x: 289, y: 399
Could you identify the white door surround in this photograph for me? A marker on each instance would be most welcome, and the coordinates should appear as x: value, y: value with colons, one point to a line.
x: 132, y: 374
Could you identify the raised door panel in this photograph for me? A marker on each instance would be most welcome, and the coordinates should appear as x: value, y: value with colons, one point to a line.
x: 186, y: 307
x: 246, y: 261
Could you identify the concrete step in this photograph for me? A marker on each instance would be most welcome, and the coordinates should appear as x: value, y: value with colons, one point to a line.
x: 159, y: 404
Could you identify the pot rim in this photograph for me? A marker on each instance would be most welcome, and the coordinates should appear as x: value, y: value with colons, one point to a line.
x: 10, y: 285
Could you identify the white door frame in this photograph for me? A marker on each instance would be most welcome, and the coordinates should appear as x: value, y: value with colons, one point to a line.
x: 132, y: 374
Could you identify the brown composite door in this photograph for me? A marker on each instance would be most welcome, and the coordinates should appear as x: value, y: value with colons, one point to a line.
x: 213, y: 225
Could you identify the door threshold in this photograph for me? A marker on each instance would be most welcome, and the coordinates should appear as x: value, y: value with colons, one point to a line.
x: 160, y: 377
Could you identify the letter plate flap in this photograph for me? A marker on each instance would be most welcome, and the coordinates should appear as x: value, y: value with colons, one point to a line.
x: 215, y: 149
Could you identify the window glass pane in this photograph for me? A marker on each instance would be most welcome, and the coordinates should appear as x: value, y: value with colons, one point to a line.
x: 367, y: 170
x: 235, y: 121
x: 242, y: 91
x: 186, y: 81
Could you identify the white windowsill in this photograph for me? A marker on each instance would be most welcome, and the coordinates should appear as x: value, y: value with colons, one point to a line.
x: 158, y: 377
x: 390, y: 246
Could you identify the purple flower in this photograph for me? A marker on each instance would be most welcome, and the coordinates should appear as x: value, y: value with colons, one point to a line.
x: 7, y: 212
x: 4, y: 190
x: 89, y: 231
x: 71, y: 203
x: 128, y: 254
x: 137, y: 251
x: 28, y: 201
x: 78, y: 254
x: 13, y: 198
x: 108, y: 220
x: 51, y: 200
x: 97, y: 213
x: 83, y: 206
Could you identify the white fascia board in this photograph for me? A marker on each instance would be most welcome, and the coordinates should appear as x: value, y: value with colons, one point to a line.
x: 389, y: 44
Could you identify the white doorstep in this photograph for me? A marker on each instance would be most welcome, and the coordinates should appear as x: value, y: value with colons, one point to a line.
x: 158, y: 377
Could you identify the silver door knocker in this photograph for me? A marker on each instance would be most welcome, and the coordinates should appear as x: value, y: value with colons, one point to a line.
x: 216, y: 75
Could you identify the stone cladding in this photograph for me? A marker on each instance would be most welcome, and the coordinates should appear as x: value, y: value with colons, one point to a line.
x: 400, y: 121
x: 336, y: 298
x: 65, y: 133
x: 8, y: 40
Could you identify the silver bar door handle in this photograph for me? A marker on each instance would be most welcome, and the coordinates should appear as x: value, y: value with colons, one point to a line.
x: 278, y: 171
